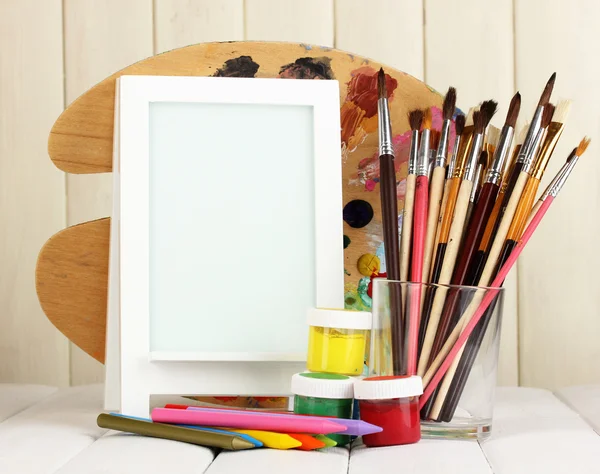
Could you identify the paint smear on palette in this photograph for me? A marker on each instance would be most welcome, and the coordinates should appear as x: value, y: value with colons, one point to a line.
x: 367, y: 173
x: 307, y: 68
x: 357, y: 298
x: 242, y: 66
x: 359, y: 110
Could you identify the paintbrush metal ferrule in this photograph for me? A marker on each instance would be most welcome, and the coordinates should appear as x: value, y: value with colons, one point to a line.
x: 553, y: 133
x: 423, y: 155
x: 535, y: 126
x: 561, y: 178
x: 476, y: 183
x: 414, y: 152
x: 473, y: 157
x: 494, y: 174
x: 452, y: 164
x: 385, y: 128
x: 530, y: 160
x: 442, y: 151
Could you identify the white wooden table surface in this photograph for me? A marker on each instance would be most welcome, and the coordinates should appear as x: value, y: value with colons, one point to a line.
x: 48, y: 431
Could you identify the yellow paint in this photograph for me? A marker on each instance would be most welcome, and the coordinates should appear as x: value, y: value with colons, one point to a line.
x: 336, y: 351
x: 270, y: 439
x: 368, y: 264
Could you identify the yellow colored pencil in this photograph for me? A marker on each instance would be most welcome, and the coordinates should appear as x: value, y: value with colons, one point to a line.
x: 270, y: 439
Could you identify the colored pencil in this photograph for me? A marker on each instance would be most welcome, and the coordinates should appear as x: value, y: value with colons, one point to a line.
x: 270, y: 439
x: 251, y: 421
x: 177, y: 433
x: 353, y: 427
x: 329, y: 443
x: 309, y: 443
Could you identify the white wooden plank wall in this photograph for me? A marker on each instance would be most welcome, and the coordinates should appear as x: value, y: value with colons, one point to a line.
x: 485, y: 48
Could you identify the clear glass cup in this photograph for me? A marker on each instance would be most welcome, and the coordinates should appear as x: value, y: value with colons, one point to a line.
x: 462, y: 405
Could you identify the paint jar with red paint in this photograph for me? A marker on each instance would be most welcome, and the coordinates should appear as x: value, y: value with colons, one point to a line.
x: 391, y: 402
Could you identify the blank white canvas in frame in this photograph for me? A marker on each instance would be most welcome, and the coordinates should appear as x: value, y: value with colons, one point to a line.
x: 230, y: 229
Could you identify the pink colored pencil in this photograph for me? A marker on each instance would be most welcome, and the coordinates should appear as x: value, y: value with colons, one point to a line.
x: 247, y: 421
x: 487, y: 299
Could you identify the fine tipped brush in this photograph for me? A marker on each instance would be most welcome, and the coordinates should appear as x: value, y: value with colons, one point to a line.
x: 465, y: 363
x: 389, y: 211
x: 438, y: 180
x: 415, y: 119
x: 496, y: 175
x: 481, y: 119
x: 418, y: 248
x: 527, y: 198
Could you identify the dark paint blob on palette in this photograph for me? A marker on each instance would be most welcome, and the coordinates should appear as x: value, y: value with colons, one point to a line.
x: 358, y: 213
x: 242, y: 66
x: 307, y: 68
x: 347, y: 241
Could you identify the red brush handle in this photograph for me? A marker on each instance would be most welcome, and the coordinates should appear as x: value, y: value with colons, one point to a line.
x: 418, y: 252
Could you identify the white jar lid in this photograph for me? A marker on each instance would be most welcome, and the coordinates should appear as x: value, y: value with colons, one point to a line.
x: 385, y: 388
x: 339, y: 318
x: 319, y: 385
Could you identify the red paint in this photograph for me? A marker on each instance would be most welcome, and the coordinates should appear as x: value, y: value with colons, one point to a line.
x: 399, y: 418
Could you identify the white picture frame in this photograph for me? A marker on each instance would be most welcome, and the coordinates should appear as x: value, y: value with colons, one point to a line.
x: 145, y: 368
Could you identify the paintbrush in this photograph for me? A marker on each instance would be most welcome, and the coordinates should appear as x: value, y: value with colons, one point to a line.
x: 481, y: 119
x: 503, y: 148
x: 389, y: 211
x: 526, y: 201
x: 438, y: 180
x: 459, y: 126
x: 418, y: 248
x: 455, y: 173
x: 465, y: 363
x: 415, y: 119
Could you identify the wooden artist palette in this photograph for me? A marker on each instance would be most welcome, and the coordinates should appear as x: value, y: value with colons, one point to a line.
x: 72, y: 269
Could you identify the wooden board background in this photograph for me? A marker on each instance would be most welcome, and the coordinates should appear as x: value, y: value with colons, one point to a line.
x: 486, y: 48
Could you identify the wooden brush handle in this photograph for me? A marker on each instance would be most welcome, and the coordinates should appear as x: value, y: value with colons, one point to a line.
x: 454, y: 240
x: 435, y: 204
x: 517, y: 225
x: 407, y: 222
x: 486, y: 277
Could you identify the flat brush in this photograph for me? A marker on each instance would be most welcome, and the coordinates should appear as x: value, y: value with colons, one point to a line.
x: 459, y: 126
x: 389, y: 211
x: 465, y: 363
x: 419, y: 233
x: 517, y: 225
x: 438, y: 181
x: 481, y: 120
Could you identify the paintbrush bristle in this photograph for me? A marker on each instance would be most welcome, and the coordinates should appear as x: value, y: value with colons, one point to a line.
x: 434, y: 139
x: 547, y: 115
x: 483, y: 159
x: 492, y: 137
x: 545, y: 97
x: 427, y: 118
x: 583, y: 144
x: 478, y: 122
x: 459, y: 124
x: 449, y: 104
x: 381, y: 86
x: 513, y: 111
x: 488, y: 109
x: 522, y: 134
x: 415, y: 119
x: 469, y: 121
x: 561, y: 112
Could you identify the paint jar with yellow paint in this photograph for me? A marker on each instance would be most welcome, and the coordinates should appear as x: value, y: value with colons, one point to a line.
x: 337, y: 341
